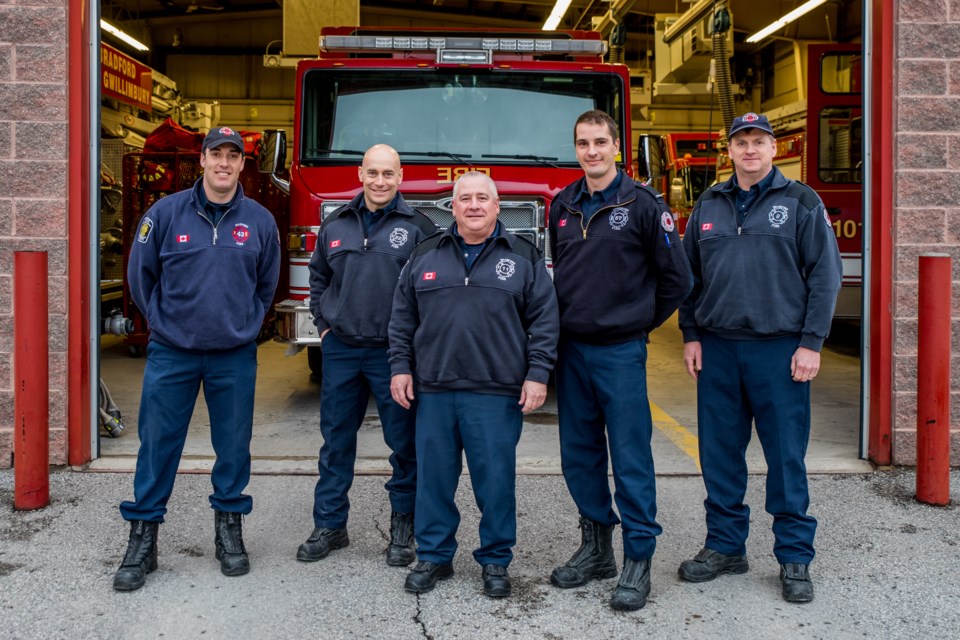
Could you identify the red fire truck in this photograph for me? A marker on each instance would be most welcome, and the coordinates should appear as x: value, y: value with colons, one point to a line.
x: 503, y: 103
x: 819, y: 141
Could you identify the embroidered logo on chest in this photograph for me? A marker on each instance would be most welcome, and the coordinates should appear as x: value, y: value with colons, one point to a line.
x: 619, y: 218
x: 241, y: 233
x: 399, y: 237
x: 506, y: 268
x: 778, y: 215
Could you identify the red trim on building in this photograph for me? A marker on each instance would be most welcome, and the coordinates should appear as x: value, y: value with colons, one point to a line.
x: 78, y: 232
x: 880, y: 374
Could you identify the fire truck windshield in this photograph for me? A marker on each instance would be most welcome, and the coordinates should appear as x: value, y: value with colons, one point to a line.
x: 486, y: 116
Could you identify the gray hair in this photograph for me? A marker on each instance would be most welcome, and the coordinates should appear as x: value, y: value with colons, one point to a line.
x: 476, y: 174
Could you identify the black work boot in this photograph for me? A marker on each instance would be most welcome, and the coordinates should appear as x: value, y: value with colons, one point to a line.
x: 424, y: 576
x: 141, y: 556
x: 708, y: 564
x: 496, y: 581
x: 594, y: 558
x: 321, y: 542
x: 229, y: 542
x: 400, y: 552
x: 634, y: 586
x: 796, y: 583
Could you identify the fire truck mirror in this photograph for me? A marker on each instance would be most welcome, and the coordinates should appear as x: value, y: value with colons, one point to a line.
x: 273, y: 151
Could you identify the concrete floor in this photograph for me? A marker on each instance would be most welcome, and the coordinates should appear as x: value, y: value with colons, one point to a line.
x: 287, y: 435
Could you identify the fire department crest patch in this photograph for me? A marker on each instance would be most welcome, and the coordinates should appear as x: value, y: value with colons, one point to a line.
x: 398, y: 237
x: 826, y: 217
x: 619, y: 218
x: 666, y: 221
x: 241, y: 233
x: 778, y: 215
x: 506, y: 268
x: 145, y: 228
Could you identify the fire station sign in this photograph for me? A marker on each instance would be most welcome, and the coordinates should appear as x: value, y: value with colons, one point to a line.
x: 125, y: 79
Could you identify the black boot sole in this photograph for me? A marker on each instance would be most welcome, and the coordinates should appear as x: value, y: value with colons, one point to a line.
x: 133, y: 586
x: 306, y: 556
x: 397, y: 561
x: 735, y: 569
x: 232, y: 573
x: 601, y: 574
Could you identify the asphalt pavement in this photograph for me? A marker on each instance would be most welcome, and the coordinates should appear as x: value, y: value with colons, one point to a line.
x: 886, y: 567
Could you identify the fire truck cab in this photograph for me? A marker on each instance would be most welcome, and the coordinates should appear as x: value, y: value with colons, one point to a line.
x: 449, y: 102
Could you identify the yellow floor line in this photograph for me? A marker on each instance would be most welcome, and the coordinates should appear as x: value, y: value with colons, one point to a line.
x: 676, y: 433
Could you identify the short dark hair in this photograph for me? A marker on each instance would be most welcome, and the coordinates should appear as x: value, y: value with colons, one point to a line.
x: 595, y: 116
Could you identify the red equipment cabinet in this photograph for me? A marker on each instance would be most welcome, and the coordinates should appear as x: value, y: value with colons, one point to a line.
x: 147, y: 177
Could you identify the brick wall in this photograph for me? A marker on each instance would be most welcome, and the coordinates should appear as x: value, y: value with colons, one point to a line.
x: 927, y: 191
x: 33, y: 189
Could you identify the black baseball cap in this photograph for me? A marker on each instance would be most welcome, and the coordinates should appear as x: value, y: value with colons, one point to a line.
x: 221, y: 136
x: 749, y: 121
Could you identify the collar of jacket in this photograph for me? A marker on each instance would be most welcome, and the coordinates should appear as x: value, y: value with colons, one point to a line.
x: 729, y: 186
x: 450, y: 235
x: 197, y: 201
x: 627, y: 191
x: 354, y: 205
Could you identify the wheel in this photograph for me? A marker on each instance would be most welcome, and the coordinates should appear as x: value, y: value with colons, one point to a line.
x: 315, y: 359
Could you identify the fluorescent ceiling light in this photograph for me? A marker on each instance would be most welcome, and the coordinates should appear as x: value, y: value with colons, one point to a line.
x: 557, y: 15
x: 785, y: 20
x: 123, y: 35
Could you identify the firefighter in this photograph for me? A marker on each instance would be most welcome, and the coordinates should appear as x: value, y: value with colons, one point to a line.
x: 475, y: 322
x: 353, y: 272
x: 619, y: 272
x: 203, y: 270
x: 766, y: 273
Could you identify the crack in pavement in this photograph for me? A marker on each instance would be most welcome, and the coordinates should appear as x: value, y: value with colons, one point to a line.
x: 376, y: 523
x: 419, y: 621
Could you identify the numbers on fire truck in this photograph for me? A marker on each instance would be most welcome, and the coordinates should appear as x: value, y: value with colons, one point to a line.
x: 846, y: 229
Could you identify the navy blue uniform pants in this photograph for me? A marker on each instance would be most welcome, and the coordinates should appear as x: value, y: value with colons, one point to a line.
x: 171, y: 382
x: 744, y: 382
x: 601, y: 400
x: 350, y: 374
x: 487, y: 428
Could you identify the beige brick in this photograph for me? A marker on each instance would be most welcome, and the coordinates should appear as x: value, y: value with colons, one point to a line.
x: 928, y: 188
x: 928, y: 114
x: 26, y: 179
x: 905, y: 337
x: 917, y: 226
x: 6, y: 371
x: 6, y: 140
x: 33, y: 25
x: 921, y: 151
x: 904, y: 372
x: 41, y: 63
x: 953, y: 77
x: 904, y: 447
x: 56, y: 253
x: 922, y: 77
x: 905, y: 299
x: 923, y: 11
x: 6, y: 447
x: 953, y: 226
x: 32, y: 101
x: 934, y: 41
x: 6, y: 54
x: 38, y: 218
x: 59, y: 444
x: 6, y: 216
x: 41, y: 141
x: 57, y: 297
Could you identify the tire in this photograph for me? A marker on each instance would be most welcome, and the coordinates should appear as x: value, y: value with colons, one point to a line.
x: 315, y: 359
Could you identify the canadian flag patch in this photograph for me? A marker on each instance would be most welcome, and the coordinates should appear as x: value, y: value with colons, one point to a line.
x: 563, y: 222
x: 706, y: 226
x: 430, y: 275
x: 334, y: 244
x: 183, y: 238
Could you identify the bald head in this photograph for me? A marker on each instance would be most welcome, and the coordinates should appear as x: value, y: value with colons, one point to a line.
x: 381, y: 175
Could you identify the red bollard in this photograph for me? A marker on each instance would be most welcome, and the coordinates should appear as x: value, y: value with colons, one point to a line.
x: 933, y: 380
x: 31, y: 438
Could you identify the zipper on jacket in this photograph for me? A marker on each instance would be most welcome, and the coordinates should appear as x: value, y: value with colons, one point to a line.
x: 583, y: 228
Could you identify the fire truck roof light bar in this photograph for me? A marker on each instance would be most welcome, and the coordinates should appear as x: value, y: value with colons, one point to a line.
x: 462, y: 44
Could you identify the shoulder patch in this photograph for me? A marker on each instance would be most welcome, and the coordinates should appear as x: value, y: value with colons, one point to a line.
x: 146, y: 228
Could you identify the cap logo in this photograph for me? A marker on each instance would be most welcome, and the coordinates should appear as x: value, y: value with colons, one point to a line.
x: 227, y: 131
x: 751, y: 117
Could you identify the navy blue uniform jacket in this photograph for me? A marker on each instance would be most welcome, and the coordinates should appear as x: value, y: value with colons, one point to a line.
x: 623, y: 273
x: 204, y: 287
x: 486, y: 330
x: 353, y: 275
